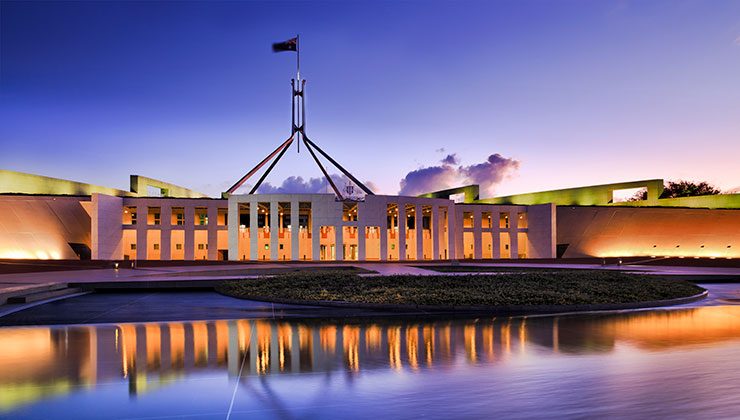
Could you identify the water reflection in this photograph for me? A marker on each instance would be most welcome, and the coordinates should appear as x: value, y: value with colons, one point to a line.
x: 36, y: 363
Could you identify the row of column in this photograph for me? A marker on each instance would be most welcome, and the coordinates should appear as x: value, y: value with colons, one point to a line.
x: 166, y: 228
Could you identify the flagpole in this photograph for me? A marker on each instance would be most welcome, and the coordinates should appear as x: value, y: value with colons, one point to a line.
x: 298, y: 58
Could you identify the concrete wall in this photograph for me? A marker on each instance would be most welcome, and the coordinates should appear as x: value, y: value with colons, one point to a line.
x: 140, y: 183
x: 594, y: 195
x: 22, y: 183
x: 718, y: 201
x: 622, y: 231
x: 542, y: 230
x: 42, y: 226
x: 106, y: 229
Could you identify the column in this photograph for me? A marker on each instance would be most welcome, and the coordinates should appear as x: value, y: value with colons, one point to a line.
x: 233, y: 229
x: 361, y: 241
x: 274, y: 229
x: 339, y: 242
x: 478, y: 233
x: 295, y: 230
x: 402, y: 231
x: 189, y: 225
x: 212, y: 232
x: 142, y: 213
x: 419, y: 231
x: 165, y: 225
x: 452, y: 231
x: 435, y: 232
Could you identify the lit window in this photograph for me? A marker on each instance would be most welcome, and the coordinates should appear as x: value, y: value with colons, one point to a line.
x: 503, y: 219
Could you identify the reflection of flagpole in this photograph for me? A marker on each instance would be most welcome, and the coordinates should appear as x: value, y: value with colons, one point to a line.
x: 298, y: 58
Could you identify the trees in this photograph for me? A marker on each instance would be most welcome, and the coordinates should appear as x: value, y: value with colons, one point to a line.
x: 675, y: 189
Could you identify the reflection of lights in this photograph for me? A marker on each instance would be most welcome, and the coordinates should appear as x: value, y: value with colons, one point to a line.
x: 470, y: 349
x: 394, y: 347
x: 34, y: 355
x: 412, y: 346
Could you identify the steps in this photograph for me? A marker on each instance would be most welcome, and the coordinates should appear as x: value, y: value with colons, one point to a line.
x: 35, y: 296
x: 27, y: 293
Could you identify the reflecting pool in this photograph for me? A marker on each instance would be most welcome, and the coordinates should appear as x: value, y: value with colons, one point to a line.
x: 670, y: 363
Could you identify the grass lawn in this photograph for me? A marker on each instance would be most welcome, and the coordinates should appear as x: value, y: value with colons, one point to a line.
x: 533, y: 288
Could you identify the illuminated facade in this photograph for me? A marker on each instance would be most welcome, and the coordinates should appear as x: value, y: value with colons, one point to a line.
x: 184, y: 225
x: 47, y: 218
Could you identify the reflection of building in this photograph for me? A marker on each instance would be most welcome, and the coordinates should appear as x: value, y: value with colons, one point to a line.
x: 46, y: 218
x: 38, y: 362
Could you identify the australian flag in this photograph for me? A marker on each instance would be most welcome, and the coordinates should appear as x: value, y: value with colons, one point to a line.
x: 289, y: 45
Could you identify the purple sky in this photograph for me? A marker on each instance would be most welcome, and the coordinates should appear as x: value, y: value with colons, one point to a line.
x: 566, y: 93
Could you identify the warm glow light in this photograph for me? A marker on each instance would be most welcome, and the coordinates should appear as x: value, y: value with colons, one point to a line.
x: 16, y: 255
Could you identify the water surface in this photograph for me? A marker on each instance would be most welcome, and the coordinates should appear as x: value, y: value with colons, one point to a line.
x: 667, y: 363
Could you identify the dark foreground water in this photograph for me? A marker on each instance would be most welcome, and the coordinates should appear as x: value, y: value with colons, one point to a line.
x: 679, y: 363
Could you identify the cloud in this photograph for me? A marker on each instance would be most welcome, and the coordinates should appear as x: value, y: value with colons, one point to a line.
x: 491, y: 172
x: 297, y: 185
x: 737, y: 41
x: 451, y: 159
x: 440, y: 150
x: 487, y: 174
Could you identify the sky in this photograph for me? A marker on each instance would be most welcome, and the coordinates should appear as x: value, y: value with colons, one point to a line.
x: 409, y: 96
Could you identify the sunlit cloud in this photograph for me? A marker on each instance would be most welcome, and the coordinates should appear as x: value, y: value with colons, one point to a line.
x: 297, y: 185
x: 488, y: 175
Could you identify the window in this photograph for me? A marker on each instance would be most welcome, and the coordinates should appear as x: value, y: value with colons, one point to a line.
x: 485, y: 219
x: 156, y: 247
x: 201, y: 216
x: 503, y: 220
x: 468, y: 219
x: 349, y: 212
x: 133, y: 246
x: 521, y: 220
x: 222, y: 216
x: 153, y: 216
x: 178, y: 246
x: 129, y: 215
x: 201, y: 246
x: 178, y: 216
